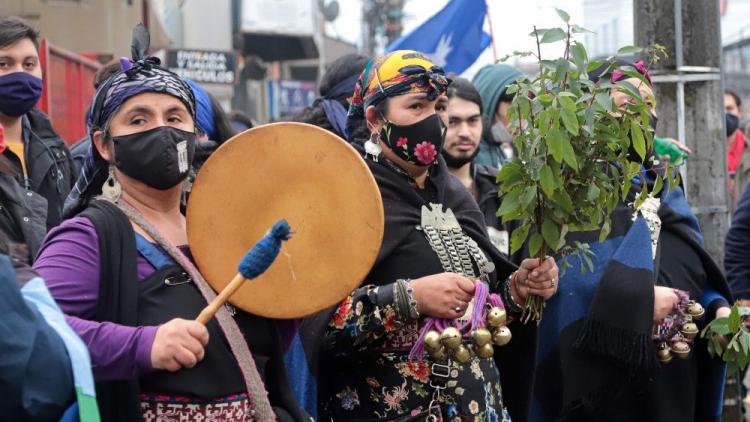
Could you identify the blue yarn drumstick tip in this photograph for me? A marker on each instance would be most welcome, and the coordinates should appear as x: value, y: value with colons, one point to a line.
x: 261, y: 256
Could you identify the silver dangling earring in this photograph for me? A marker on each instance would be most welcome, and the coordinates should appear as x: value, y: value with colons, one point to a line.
x: 373, y: 148
x: 112, y: 189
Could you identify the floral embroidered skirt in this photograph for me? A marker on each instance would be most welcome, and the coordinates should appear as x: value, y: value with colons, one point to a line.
x: 390, y: 387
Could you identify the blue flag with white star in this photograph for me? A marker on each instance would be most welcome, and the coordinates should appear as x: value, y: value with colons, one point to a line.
x: 453, y: 38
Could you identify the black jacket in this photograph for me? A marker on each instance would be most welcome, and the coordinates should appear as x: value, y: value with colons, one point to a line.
x: 48, y: 162
x: 486, y: 185
x: 23, y: 213
x: 485, y: 181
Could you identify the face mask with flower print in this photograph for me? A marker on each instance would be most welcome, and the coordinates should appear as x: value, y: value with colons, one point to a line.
x: 419, y: 143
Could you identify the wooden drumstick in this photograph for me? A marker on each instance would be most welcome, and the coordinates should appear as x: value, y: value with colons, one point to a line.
x: 256, y: 262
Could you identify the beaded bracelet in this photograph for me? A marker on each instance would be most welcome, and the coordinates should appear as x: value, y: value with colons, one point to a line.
x: 403, y: 299
x: 510, y: 303
x: 413, y: 310
x: 407, y: 296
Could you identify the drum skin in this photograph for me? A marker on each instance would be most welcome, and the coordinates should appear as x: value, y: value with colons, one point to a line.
x: 314, y: 180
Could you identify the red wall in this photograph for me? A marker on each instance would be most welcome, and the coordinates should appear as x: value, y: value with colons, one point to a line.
x: 67, y: 91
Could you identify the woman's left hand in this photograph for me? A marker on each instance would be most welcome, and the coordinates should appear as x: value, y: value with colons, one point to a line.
x: 723, y: 312
x: 536, y: 279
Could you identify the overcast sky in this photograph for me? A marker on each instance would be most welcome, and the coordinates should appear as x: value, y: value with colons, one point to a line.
x: 512, y: 20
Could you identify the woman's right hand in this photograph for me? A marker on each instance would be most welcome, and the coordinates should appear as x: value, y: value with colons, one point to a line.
x: 178, y: 344
x: 444, y: 295
x: 665, y: 300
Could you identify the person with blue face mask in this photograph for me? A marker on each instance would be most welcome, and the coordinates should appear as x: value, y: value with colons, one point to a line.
x: 36, y: 153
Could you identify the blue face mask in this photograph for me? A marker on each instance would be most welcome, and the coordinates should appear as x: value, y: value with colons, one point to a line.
x: 19, y: 92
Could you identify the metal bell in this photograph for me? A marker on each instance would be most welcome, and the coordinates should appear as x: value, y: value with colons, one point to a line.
x: 664, y: 354
x: 481, y: 336
x: 485, y: 351
x: 689, y: 330
x: 496, y: 317
x: 502, y: 336
x: 462, y: 354
x: 680, y: 349
x: 695, y: 310
x: 439, y: 354
x: 451, y: 338
x: 432, y: 340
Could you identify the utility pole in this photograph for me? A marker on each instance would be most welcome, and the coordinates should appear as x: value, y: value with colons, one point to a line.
x: 690, y: 101
x: 690, y: 105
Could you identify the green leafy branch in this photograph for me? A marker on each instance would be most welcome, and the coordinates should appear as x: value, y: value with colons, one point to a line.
x: 729, y: 338
x: 573, y: 168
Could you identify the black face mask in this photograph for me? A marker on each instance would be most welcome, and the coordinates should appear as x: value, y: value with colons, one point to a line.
x: 159, y: 157
x: 732, y: 123
x: 419, y: 143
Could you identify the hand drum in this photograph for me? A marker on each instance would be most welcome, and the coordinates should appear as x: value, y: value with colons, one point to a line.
x: 319, y: 184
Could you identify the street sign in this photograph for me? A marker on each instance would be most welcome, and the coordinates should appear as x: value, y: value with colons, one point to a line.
x: 204, y: 66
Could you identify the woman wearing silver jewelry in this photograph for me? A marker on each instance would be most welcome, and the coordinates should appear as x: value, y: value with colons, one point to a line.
x: 435, y: 255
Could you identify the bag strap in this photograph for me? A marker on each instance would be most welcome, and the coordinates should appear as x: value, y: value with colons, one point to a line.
x: 235, y: 338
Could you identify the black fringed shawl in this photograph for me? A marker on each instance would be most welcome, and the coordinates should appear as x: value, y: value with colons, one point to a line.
x: 596, y: 358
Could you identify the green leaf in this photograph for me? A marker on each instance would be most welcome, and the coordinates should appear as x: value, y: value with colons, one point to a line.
x: 553, y: 35
x: 606, y: 229
x: 589, y: 262
x: 546, y: 180
x: 593, y: 192
x: 546, y: 98
x: 551, y: 233
x: 555, y: 139
x: 745, y: 343
x: 596, y: 64
x: 525, y: 107
x: 569, y: 155
x: 578, y: 51
x: 518, y: 238
x: 512, y: 88
x: 561, y: 68
x: 549, y: 64
x: 563, y: 15
x: 629, y: 88
x: 641, y: 198
x: 563, y: 232
x: 544, y: 119
x: 605, y: 101
x: 633, y: 169
x: 579, y: 29
x: 658, y: 185
x: 734, y: 320
x: 627, y: 184
x: 636, y: 136
x: 509, y: 172
x: 631, y: 72
x: 510, y: 204
x: 566, y: 103
x: 538, y: 31
x: 629, y: 49
x: 535, y: 243
x: 528, y: 195
x: 562, y: 199
x: 570, y: 121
